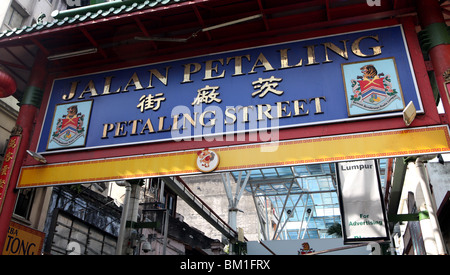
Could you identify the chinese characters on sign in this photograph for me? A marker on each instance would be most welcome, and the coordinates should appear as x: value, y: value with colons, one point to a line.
x: 150, y: 101
x: 447, y: 83
x: 7, y: 167
x: 207, y: 95
x: 266, y: 85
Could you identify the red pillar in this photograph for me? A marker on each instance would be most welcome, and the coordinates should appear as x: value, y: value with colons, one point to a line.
x: 27, y: 114
x: 432, y: 20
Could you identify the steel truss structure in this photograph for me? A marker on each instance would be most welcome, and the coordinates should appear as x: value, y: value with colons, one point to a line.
x: 296, y: 202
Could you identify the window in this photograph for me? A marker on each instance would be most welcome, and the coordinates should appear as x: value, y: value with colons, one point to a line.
x: 73, y: 236
x: 3, y: 151
x: 72, y: 4
x: 171, y: 202
x: 13, y: 18
x: 24, y: 202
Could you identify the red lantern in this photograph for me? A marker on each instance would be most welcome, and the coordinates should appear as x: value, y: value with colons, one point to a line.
x: 8, y: 85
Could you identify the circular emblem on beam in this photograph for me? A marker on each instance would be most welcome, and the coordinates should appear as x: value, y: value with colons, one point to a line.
x: 207, y: 160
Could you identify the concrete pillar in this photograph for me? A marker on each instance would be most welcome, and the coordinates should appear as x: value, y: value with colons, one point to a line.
x: 433, y: 240
x: 127, y: 235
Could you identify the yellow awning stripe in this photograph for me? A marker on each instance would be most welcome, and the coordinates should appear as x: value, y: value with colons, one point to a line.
x: 383, y: 144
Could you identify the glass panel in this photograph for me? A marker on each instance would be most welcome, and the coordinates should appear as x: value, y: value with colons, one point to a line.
x: 315, y: 186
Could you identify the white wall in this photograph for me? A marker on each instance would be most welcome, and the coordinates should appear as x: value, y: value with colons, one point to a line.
x: 8, y: 115
x: 4, y: 5
x: 31, y: 10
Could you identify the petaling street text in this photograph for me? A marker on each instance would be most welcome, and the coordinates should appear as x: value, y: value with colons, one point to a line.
x: 214, y: 118
x: 218, y: 68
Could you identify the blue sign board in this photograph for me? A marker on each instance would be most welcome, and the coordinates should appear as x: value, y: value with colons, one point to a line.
x: 331, y: 79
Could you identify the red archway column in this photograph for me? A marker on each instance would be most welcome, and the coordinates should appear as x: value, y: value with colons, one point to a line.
x: 432, y: 20
x: 29, y: 109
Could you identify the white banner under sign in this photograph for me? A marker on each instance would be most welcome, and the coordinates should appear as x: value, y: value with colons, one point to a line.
x: 362, y: 210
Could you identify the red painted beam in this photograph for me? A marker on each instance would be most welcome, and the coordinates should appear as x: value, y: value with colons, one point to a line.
x: 93, y: 42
